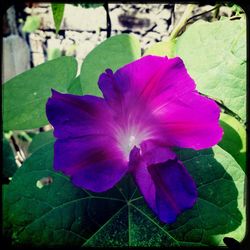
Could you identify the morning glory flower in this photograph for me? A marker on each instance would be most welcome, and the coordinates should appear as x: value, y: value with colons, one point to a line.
x: 148, y: 107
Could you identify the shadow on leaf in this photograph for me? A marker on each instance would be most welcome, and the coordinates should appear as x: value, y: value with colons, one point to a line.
x: 216, y: 212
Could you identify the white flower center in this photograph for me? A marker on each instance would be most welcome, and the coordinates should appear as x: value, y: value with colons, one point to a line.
x: 127, y: 141
x: 132, y: 141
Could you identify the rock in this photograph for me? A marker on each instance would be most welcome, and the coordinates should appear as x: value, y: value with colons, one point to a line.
x: 41, y: 34
x: 113, y: 6
x: 130, y: 20
x: 83, y: 49
x: 82, y: 19
x: 47, y: 21
x: 165, y: 14
x: 36, y: 44
x: 38, y: 58
x: 102, y: 36
x: 153, y: 36
x: 162, y: 27
x: 28, y: 10
x: 16, y: 56
x: 80, y: 36
x: 225, y: 11
x: 54, y: 43
x: 134, y: 21
x: 44, y: 5
x: 49, y: 34
x: 115, y: 24
x: 66, y: 43
x: 37, y: 11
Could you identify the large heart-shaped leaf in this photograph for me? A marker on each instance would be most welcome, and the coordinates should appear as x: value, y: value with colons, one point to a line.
x: 60, y: 214
x: 25, y: 96
x: 165, y: 48
x: 75, y: 87
x: 215, y: 56
x: 234, y: 139
x: 41, y: 140
x: 113, y: 53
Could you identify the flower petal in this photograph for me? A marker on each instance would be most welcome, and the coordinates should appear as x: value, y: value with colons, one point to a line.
x: 161, y: 94
x: 190, y: 121
x: 167, y: 188
x: 144, y: 182
x: 154, y: 152
x: 163, y: 181
x: 86, y: 149
x: 146, y: 78
x: 74, y: 116
x: 92, y: 162
x: 175, y: 190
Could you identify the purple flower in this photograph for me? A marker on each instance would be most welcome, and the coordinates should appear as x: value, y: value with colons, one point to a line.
x: 149, y: 106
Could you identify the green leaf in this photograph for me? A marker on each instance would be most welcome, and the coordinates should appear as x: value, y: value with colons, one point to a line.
x: 31, y: 24
x: 56, y: 214
x: 166, y: 48
x: 60, y: 214
x: 113, y: 53
x: 54, y: 53
x: 215, y: 56
x: 41, y: 140
x: 9, y: 163
x: 25, y: 96
x: 7, y: 227
x: 75, y: 87
x: 234, y: 139
x: 57, y: 10
x: 220, y: 210
x: 235, y: 8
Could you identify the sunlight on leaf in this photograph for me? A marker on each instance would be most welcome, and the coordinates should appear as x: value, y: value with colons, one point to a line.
x: 166, y: 48
x: 112, y: 53
x: 31, y: 24
x: 25, y: 96
x: 215, y: 56
x: 234, y: 139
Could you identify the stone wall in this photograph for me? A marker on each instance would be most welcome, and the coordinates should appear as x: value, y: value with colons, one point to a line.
x: 82, y: 29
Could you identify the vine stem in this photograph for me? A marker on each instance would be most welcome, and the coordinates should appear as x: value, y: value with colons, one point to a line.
x: 216, y: 8
x: 106, y: 7
x: 186, y: 15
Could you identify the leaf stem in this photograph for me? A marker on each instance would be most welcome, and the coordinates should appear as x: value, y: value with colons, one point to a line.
x: 25, y: 135
x: 225, y: 109
x: 182, y: 22
x: 106, y: 7
x: 216, y: 12
x: 8, y: 134
x: 216, y: 8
